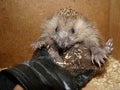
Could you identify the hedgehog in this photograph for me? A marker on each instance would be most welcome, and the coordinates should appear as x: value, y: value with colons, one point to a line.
x: 65, y: 32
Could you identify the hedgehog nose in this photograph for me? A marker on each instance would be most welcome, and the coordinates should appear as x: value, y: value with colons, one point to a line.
x: 62, y: 45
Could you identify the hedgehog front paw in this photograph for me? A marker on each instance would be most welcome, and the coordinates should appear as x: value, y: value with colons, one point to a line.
x: 99, y: 58
x: 38, y: 44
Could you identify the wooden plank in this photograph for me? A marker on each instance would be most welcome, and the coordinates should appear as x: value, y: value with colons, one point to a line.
x: 115, y: 26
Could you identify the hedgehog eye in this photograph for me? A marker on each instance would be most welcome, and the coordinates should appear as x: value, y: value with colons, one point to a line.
x: 73, y: 31
x: 56, y: 29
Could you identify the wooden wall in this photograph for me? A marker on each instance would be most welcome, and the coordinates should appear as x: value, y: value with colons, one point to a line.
x: 115, y: 26
x: 20, y: 22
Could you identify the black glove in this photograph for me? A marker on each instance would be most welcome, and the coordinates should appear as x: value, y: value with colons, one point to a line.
x: 41, y: 73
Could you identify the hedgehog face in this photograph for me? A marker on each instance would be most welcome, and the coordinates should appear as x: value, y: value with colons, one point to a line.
x: 64, y: 27
x: 64, y: 32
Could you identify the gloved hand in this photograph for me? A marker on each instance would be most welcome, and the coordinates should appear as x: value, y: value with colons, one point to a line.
x: 41, y: 73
